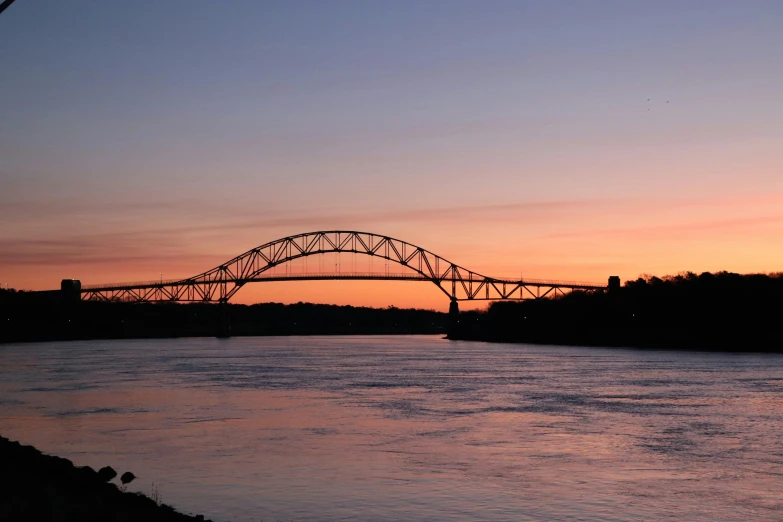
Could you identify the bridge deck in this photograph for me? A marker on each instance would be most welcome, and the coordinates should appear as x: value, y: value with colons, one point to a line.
x: 355, y: 276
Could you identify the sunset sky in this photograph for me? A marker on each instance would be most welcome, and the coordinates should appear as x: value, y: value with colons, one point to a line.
x: 563, y: 140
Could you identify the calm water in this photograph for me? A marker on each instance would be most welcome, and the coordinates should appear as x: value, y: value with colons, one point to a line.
x: 410, y: 428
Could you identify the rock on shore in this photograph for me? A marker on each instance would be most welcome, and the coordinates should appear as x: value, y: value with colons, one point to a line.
x: 34, y: 486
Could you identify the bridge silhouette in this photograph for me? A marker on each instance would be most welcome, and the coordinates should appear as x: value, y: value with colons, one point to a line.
x: 257, y: 265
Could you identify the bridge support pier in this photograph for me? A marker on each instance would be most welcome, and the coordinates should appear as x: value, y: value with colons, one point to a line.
x: 70, y: 290
x: 453, y: 321
x: 224, y: 326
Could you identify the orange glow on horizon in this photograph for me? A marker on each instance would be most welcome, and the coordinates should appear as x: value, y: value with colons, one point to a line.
x: 527, y: 139
x: 580, y: 241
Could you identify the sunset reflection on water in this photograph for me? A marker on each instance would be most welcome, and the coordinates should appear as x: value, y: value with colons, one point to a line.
x: 413, y: 428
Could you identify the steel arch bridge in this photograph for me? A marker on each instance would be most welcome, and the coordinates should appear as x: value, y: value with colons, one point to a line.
x: 222, y: 282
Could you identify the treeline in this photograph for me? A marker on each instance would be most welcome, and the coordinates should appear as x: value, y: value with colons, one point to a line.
x: 34, y: 316
x: 720, y: 311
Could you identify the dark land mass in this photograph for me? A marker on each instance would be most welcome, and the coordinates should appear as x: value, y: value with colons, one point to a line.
x: 34, y: 486
x: 719, y: 312
x: 47, y: 316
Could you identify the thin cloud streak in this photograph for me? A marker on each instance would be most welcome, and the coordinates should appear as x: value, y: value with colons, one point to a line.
x: 484, y: 213
x: 250, y: 215
x: 68, y: 259
x: 671, y: 231
x: 122, y: 247
x: 180, y: 245
x: 185, y: 245
x: 175, y: 237
x: 253, y: 216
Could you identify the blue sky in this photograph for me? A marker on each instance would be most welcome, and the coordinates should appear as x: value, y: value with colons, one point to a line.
x: 150, y: 117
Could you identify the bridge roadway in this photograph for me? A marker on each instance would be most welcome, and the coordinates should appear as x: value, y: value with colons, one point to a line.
x: 222, y: 282
x: 159, y: 290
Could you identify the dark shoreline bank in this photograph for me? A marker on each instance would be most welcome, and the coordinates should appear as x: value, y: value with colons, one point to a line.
x: 35, y: 486
x: 720, y: 312
x: 724, y: 346
x: 33, y: 317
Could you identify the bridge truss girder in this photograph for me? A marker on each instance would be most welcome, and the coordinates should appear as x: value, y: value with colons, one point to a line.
x: 222, y: 282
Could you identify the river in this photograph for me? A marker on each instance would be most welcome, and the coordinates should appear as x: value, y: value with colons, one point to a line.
x: 410, y: 428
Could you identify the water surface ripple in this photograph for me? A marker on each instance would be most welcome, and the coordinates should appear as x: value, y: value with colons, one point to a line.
x: 410, y: 428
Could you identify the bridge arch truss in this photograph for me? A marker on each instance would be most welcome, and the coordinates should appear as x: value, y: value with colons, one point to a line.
x: 222, y: 282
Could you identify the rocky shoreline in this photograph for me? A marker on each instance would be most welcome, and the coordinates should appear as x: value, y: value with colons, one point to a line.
x: 35, y: 486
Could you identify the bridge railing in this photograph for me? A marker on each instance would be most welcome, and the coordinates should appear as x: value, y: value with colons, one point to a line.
x: 134, y: 284
x: 325, y: 275
x: 548, y: 282
x: 391, y: 275
x: 410, y: 274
